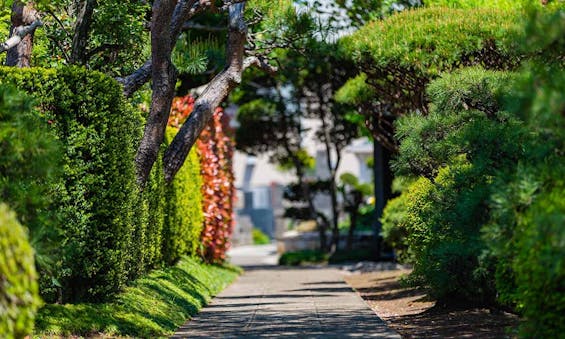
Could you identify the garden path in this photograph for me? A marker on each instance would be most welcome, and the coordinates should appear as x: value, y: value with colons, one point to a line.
x: 273, y: 301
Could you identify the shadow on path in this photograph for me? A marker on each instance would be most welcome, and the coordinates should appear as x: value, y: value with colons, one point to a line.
x: 294, y: 302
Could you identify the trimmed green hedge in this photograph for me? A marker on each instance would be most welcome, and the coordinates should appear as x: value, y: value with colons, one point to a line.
x: 18, y: 281
x: 29, y: 172
x: 184, y: 214
x: 109, y: 231
x: 97, y: 199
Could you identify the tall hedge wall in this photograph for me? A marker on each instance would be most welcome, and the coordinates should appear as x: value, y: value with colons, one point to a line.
x: 108, y: 230
x: 29, y: 171
x: 184, y: 217
x: 97, y: 198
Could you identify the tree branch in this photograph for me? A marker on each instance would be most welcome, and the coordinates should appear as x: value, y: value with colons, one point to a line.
x: 82, y: 28
x: 213, y: 95
x: 259, y: 62
x: 23, y: 15
x: 19, y: 33
x: 164, y: 77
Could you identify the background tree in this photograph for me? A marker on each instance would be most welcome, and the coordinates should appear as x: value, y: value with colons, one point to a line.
x: 354, y: 195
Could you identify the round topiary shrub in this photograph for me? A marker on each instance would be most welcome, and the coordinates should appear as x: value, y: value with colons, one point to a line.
x: 18, y: 285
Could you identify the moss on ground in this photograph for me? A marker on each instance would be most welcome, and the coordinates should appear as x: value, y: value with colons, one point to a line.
x: 154, y: 305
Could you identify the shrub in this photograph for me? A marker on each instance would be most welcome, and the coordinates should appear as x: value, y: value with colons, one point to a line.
x: 539, y: 266
x: 459, y: 147
x: 29, y: 171
x: 216, y: 147
x: 97, y: 199
x: 184, y: 217
x: 18, y: 286
x: 394, y: 229
x: 523, y: 234
x: 260, y: 238
x: 147, y: 249
x: 303, y: 257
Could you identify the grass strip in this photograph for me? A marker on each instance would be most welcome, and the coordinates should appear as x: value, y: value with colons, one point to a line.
x: 154, y: 306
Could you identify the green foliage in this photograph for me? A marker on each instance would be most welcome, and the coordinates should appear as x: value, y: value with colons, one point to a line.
x: 153, y: 306
x: 444, y: 222
x: 401, y: 54
x: 351, y: 182
x: 523, y: 234
x: 19, y: 297
x: 431, y: 40
x: 394, y: 229
x: 147, y: 249
x: 192, y: 56
x: 259, y: 238
x: 117, y: 51
x: 470, y: 4
x: 184, y: 216
x: 29, y: 171
x: 539, y: 266
x: 97, y: 199
x: 355, y: 91
x: 303, y: 257
x: 459, y: 147
x: 464, y: 119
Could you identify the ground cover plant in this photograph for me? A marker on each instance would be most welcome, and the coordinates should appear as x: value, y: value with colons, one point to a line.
x: 154, y: 305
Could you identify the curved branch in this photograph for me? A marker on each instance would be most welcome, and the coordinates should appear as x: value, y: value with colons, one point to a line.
x: 164, y: 77
x: 213, y: 95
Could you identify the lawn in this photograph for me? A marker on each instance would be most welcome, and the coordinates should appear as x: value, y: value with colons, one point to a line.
x: 153, y: 306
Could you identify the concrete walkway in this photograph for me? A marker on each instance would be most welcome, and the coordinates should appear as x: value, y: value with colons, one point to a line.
x: 272, y: 301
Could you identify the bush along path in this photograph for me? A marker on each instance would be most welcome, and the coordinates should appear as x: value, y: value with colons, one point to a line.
x: 276, y: 301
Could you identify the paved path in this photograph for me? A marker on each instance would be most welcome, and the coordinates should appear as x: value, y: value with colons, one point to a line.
x: 271, y: 301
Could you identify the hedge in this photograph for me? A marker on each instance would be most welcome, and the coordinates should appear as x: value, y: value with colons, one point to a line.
x: 18, y: 284
x: 29, y: 170
x: 184, y: 213
x: 97, y: 198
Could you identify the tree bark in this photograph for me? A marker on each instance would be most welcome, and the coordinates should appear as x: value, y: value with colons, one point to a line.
x: 82, y: 28
x: 164, y: 77
x: 22, y: 15
x: 216, y: 91
x: 333, y: 188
